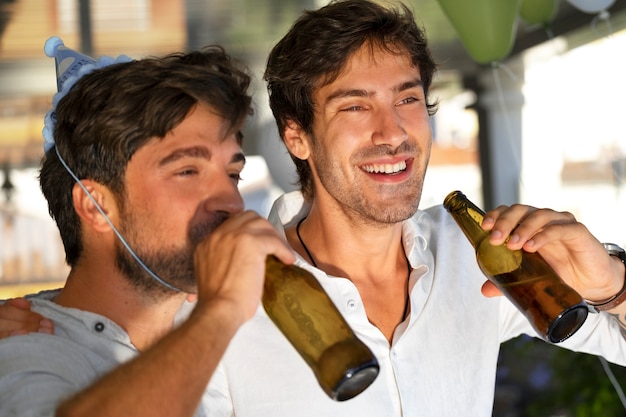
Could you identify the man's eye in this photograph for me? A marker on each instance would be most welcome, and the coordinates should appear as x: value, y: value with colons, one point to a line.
x: 352, y: 108
x: 236, y: 177
x: 409, y: 100
x: 187, y: 172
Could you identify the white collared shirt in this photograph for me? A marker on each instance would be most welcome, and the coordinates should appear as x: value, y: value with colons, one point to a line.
x: 441, y: 362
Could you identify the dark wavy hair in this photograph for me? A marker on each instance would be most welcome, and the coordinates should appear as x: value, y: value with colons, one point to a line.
x: 317, y: 47
x: 112, y: 112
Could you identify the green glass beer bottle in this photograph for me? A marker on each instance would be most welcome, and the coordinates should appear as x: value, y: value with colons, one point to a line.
x: 295, y: 301
x: 554, y: 309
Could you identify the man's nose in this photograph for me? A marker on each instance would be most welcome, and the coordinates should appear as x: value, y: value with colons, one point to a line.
x: 389, y: 129
x: 224, y: 195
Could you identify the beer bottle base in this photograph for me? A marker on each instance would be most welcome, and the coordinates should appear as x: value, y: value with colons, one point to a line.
x: 355, y: 382
x: 567, y: 323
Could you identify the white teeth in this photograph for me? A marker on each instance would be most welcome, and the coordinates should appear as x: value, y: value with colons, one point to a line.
x: 385, y: 168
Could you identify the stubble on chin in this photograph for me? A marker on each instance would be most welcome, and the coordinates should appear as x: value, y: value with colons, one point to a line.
x: 394, y: 211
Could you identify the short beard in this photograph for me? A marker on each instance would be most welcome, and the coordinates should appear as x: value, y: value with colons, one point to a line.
x: 351, y: 198
x: 174, y: 266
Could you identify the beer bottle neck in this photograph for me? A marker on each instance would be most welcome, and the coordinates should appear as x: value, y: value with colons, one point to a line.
x: 468, y: 216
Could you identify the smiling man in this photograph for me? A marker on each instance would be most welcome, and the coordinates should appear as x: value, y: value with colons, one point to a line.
x: 349, y: 86
x: 367, y: 150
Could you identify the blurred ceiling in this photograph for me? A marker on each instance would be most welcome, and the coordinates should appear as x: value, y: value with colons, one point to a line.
x: 451, y: 55
x: 444, y: 41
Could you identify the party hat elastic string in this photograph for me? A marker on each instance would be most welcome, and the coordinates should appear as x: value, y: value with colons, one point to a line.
x: 117, y: 233
x: 70, y: 67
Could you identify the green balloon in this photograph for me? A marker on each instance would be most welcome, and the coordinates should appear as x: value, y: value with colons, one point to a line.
x: 539, y: 12
x: 486, y: 27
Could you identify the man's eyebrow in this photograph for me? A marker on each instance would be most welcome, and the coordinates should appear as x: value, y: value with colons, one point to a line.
x: 410, y: 84
x: 342, y: 93
x: 193, y: 152
x: 238, y: 157
x: 364, y: 93
x: 197, y: 152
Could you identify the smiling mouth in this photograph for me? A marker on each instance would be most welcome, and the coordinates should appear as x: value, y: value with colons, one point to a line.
x: 385, y: 168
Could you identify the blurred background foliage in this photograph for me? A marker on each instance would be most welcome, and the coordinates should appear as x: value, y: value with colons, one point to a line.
x: 547, y: 381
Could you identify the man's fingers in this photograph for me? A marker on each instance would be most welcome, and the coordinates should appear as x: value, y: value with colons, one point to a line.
x: 16, y: 318
x: 46, y: 326
x: 519, y: 224
x: 490, y: 290
x: 21, y: 303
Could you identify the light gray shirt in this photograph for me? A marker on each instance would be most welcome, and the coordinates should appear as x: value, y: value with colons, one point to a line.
x: 38, y: 371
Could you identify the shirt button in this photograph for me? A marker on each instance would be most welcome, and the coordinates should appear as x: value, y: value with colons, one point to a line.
x: 99, y: 326
x: 351, y: 304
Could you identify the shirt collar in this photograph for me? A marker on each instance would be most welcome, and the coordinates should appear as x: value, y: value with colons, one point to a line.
x: 290, y: 207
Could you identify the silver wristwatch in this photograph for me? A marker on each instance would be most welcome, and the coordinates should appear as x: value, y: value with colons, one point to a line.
x: 620, y: 297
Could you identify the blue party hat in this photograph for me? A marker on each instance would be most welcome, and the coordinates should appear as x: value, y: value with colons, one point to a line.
x: 70, y: 67
x: 68, y: 61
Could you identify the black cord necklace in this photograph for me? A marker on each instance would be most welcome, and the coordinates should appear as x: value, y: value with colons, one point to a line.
x: 302, y: 242
x: 408, y: 264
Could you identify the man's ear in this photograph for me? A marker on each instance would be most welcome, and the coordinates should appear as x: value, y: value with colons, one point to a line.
x: 297, y: 140
x: 87, y: 209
